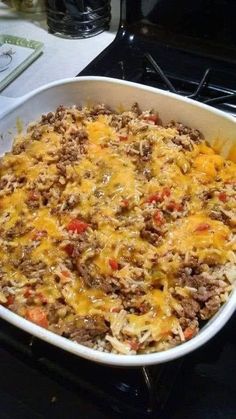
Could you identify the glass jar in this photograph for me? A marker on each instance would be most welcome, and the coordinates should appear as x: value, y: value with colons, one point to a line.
x: 78, y: 18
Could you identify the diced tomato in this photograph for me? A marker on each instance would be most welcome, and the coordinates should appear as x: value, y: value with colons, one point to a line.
x: 41, y: 298
x: 65, y: 273
x: 134, y: 345
x: 69, y: 249
x: 166, y: 191
x: 125, y: 203
x: 10, y: 300
x: 77, y: 226
x: 38, y: 316
x: 158, y: 218
x: 113, y: 264
x: 28, y: 292
x: 123, y: 137
x: 171, y: 206
x: 159, y: 196
x: 189, y: 333
x: 152, y: 118
x: 33, y: 196
x: 174, y: 206
x: 154, y: 198
x: 202, y: 227
x: 223, y: 197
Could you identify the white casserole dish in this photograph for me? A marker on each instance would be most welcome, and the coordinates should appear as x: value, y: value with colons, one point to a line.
x: 217, y: 127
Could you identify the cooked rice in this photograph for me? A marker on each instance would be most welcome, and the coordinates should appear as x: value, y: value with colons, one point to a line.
x: 116, y: 232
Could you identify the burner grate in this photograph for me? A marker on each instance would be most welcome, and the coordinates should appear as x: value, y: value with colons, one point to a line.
x: 202, y: 90
x: 200, y: 77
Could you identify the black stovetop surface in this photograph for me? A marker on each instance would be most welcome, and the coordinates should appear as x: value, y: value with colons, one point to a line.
x: 128, y: 58
x: 39, y: 381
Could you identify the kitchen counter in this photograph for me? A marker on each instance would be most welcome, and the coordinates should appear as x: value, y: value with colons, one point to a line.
x: 61, y: 57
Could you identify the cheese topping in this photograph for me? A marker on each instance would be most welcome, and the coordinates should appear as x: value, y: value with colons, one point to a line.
x: 115, y: 229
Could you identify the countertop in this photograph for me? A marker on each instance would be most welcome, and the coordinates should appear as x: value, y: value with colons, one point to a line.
x: 61, y: 57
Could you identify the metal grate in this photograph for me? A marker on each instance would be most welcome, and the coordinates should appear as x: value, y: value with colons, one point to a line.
x: 202, y: 90
x: 198, y: 76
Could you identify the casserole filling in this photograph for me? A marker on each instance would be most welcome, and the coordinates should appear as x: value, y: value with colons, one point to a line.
x: 116, y: 232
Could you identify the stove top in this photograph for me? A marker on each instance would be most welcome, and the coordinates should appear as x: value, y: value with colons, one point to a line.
x: 150, y: 62
x: 40, y: 381
x: 176, y: 46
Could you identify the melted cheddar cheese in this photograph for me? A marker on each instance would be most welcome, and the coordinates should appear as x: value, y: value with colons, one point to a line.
x: 103, y: 216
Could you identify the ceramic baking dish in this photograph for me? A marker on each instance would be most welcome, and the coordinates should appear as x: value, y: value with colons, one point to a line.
x: 218, y: 128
